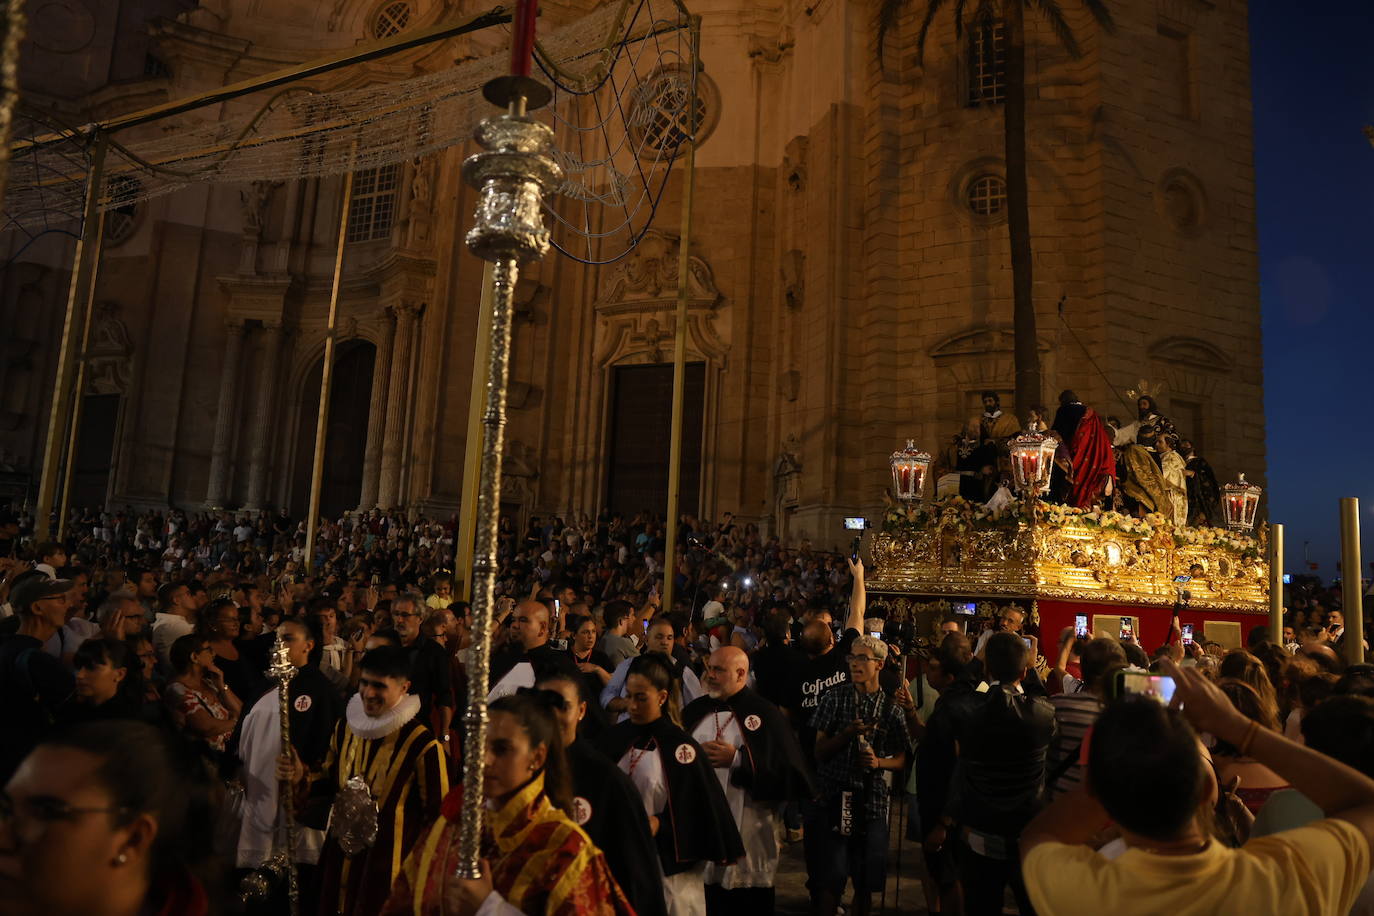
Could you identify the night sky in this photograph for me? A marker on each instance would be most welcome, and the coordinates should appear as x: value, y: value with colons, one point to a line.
x: 1313, y: 72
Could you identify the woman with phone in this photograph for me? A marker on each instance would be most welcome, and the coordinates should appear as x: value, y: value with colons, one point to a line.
x: 199, y: 701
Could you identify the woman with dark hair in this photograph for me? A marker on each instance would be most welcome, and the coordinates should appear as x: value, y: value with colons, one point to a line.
x: 594, y: 664
x: 109, y: 682
x: 537, y: 861
x: 221, y: 625
x: 109, y: 818
x: 688, y: 814
x: 199, y: 701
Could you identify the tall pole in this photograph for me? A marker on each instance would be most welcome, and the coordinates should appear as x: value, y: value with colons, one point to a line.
x: 512, y: 174
x: 83, y: 276
x: 79, y: 386
x: 472, y: 455
x: 1276, y: 584
x: 312, y: 522
x: 1351, y: 599
x: 680, y: 338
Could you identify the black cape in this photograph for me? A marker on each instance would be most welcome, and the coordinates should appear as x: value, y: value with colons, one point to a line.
x: 696, y: 824
x: 315, y: 712
x: 616, y: 822
x: 772, y: 768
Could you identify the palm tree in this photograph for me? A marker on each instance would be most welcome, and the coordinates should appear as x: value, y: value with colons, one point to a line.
x: 1026, y: 354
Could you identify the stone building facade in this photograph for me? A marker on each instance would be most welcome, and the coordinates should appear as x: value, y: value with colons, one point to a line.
x: 850, y: 278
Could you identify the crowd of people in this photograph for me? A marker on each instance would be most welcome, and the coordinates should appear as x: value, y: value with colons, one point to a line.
x: 1143, y: 467
x: 639, y: 758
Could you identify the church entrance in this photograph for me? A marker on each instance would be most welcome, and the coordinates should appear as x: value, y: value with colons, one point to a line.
x: 95, y: 444
x: 641, y: 424
x: 345, y: 438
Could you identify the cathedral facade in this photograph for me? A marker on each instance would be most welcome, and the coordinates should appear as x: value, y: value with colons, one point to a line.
x: 849, y: 287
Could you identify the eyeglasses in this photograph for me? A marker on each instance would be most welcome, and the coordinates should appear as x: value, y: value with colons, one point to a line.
x: 402, y: 615
x: 860, y: 658
x: 42, y: 810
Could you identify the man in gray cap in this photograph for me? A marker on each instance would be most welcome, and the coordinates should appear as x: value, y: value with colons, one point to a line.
x: 33, y: 684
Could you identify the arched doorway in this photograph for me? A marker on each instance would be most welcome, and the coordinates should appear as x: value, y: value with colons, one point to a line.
x: 345, y: 438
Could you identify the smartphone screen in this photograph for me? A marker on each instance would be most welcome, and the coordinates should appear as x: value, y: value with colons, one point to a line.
x: 967, y: 608
x: 1127, y: 630
x: 1027, y: 641
x: 1187, y: 634
x: 1080, y: 626
x: 1142, y: 683
x: 876, y: 634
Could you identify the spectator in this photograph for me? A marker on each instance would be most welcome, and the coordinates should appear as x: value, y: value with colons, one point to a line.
x: 1074, y: 712
x: 614, y: 642
x: 442, y: 596
x: 859, y: 731
x: 109, y: 682
x: 175, y: 620
x: 594, y: 664
x: 199, y: 702
x: 1257, y: 782
x: 120, y: 617
x: 1000, y: 778
x: 107, y: 817
x: 1147, y: 773
x: 221, y: 627
x: 33, y: 684
x: 336, y: 656
x: 430, y: 674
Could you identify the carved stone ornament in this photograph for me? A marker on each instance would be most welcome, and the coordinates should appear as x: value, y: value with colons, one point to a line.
x: 109, y: 356
x: 254, y: 200
x: 649, y: 274
x: 787, y: 473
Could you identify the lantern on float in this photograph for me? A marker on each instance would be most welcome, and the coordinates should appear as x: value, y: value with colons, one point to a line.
x: 1240, y: 503
x: 909, y: 467
x: 1032, y: 463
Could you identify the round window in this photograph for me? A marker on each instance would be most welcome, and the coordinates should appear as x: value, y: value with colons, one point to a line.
x: 664, y: 115
x: 391, y: 18
x: 987, y: 195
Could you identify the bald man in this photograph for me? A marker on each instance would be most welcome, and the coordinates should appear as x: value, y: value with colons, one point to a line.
x: 756, y: 757
x: 530, y: 657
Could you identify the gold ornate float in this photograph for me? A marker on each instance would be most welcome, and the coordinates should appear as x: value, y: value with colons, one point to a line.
x: 1036, y: 550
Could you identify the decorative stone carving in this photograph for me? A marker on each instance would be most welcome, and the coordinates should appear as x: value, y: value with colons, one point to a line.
x: 771, y: 49
x: 649, y: 274
x: 108, y: 358
x: 253, y: 202
x: 421, y: 203
x: 787, y: 473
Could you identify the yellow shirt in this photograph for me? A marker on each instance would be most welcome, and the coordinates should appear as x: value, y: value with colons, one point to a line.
x: 438, y: 603
x: 1320, y: 868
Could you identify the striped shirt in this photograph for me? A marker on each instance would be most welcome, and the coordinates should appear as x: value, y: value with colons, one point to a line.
x: 1075, y: 713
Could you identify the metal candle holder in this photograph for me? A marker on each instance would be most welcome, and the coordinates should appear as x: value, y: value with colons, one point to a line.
x: 257, y: 885
x: 512, y: 175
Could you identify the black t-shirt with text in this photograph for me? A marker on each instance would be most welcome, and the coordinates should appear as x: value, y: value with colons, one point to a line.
x: 815, y: 677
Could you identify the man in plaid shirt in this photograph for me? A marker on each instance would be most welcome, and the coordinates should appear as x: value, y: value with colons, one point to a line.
x: 860, y: 734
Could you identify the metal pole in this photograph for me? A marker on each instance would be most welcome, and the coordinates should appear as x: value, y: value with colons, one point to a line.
x: 312, y: 521
x: 472, y: 456
x: 680, y: 343
x: 513, y: 173
x: 78, y: 387
x: 82, y: 276
x: 1351, y: 599
x: 1276, y: 584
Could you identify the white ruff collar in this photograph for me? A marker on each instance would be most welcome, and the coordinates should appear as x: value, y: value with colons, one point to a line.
x: 369, y: 728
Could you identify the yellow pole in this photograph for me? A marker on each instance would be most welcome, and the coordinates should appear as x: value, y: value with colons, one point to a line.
x: 1276, y: 584
x: 472, y: 455
x: 680, y: 343
x: 1351, y: 599
x: 83, y: 271
x: 312, y: 522
x: 78, y: 401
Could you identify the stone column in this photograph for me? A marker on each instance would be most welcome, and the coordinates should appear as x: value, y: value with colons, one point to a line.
x: 262, y: 416
x: 218, y: 489
x: 389, y: 490
x: 376, y: 415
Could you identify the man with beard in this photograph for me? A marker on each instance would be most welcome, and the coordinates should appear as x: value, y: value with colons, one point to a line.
x: 760, y: 766
x: 1141, y: 481
x: 825, y: 666
x: 1089, y: 453
x: 1204, y: 495
x: 995, y: 426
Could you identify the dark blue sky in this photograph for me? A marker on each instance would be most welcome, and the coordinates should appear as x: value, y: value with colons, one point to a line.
x: 1313, y: 72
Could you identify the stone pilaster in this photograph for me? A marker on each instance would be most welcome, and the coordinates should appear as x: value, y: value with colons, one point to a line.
x: 397, y: 407
x: 376, y: 416
x: 270, y: 350
x: 217, y: 491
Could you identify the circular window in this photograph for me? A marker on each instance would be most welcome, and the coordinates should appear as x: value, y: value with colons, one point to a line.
x: 664, y: 115
x: 122, y: 212
x: 390, y: 19
x: 987, y: 195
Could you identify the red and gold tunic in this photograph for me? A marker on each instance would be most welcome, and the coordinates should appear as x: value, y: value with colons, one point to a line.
x: 542, y: 863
